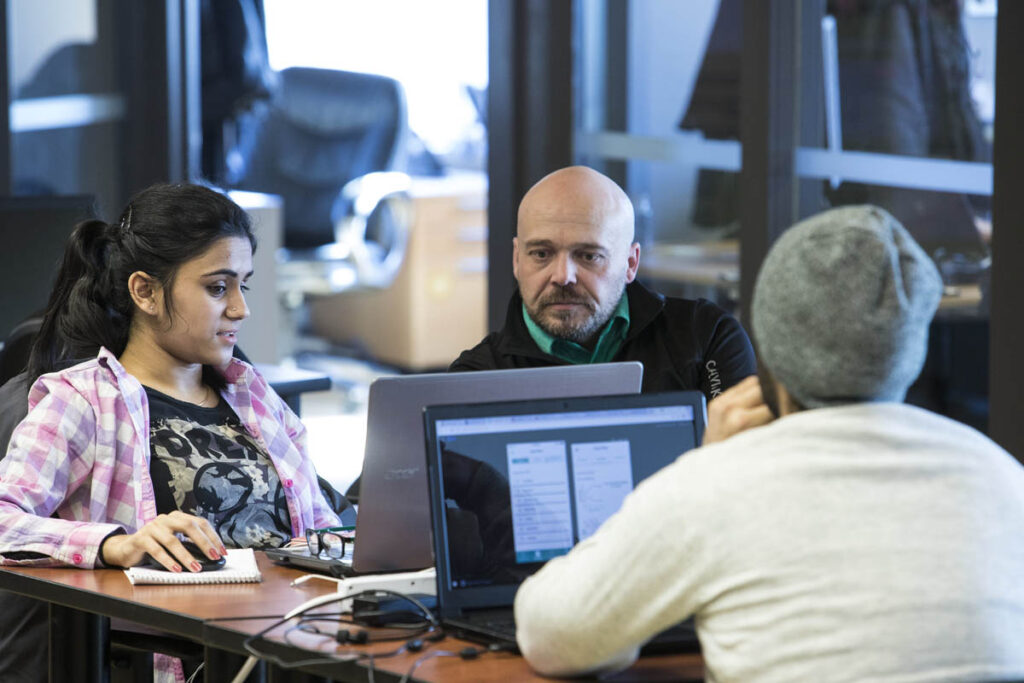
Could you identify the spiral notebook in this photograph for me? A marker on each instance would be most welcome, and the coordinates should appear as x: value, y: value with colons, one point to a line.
x: 239, y: 567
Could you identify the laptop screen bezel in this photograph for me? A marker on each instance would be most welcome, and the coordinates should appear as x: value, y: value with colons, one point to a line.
x: 452, y: 603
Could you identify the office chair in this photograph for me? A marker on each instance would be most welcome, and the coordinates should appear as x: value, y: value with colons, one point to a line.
x: 330, y: 143
x: 17, y: 347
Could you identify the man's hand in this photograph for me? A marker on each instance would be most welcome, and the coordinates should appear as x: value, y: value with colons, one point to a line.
x: 736, y: 410
x: 158, y: 539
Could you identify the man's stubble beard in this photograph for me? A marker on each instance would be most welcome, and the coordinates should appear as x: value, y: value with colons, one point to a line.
x: 563, y: 327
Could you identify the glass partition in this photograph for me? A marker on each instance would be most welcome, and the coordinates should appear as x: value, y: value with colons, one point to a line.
x: 894, y: 105
x: 908, y: 102
x: 67, y: 105
x: 658, y: 111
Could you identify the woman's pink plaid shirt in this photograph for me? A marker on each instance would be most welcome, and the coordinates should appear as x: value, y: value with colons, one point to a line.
x: 77, y: 467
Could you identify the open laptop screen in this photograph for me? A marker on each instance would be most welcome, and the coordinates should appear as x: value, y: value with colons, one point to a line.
x: 515, y: 484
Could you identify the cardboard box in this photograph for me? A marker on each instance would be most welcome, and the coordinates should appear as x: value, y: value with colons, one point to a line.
x: 437, y: 305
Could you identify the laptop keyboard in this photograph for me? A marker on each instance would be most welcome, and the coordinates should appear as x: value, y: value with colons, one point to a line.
x: 503, y: 625
x: 497, y: 621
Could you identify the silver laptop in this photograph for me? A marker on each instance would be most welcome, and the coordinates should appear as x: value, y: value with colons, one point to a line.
x: 393, y: 525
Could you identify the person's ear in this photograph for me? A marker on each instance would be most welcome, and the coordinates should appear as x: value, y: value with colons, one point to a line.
x: 145, y: 292
x: 633, y: 262
x: 515, y: 257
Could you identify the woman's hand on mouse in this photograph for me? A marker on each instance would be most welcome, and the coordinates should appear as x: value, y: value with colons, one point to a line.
x: 158, y: 538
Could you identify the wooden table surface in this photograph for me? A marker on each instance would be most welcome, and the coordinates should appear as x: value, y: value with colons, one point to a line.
x: 209, y: 614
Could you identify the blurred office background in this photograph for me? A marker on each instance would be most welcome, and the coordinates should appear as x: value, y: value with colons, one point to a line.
x: 383, y: 148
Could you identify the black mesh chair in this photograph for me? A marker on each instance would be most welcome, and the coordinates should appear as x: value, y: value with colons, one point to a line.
x: 13, y: 380
x: 17, y: 346
x: 331, y: 144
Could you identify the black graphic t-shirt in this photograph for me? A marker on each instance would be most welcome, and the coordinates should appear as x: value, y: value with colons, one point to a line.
x: 205, y: 463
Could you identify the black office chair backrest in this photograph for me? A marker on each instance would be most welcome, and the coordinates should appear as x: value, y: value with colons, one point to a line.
x: 322, y: 129
x: 14, y: 377
x: 17, y: 347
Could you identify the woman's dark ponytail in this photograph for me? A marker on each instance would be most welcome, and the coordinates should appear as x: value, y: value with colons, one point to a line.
x: 87, y: 309
x: 162, y: 227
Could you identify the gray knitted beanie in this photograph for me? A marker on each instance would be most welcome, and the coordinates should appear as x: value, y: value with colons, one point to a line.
x: 842, y: 306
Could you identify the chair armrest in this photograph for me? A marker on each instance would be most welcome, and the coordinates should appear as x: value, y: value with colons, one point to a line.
x: 351, y: 260
x: 376, y: 265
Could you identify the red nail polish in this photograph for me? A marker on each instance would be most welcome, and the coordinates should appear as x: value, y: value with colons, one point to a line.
x: 196, y: 567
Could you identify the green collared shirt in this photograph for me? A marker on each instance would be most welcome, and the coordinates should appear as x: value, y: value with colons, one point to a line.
x: 608, y: 343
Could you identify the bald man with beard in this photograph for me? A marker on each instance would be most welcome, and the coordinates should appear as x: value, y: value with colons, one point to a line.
x: 578, y: 301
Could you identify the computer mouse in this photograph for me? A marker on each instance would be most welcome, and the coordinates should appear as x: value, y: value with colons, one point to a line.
x: 205, y: 562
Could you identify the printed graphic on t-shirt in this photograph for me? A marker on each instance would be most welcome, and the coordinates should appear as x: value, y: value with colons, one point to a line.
x: 206, y: 464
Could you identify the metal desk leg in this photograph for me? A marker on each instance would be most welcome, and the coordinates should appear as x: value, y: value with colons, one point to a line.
x: 79, y: 645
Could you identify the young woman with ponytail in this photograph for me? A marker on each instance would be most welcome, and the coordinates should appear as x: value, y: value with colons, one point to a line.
x: 161, y: 435
x: 157, y: 434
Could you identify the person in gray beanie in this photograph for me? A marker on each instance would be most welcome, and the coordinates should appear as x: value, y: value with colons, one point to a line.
x: 842, y: 306
x: 825, y: 531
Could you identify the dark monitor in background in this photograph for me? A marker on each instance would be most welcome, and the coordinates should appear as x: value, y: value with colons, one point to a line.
x: 33, y: 231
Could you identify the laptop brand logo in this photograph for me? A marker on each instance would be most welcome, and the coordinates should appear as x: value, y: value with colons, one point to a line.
x: 402, y: 473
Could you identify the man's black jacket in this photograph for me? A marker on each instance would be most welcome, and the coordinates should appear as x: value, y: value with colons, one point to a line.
x: 683, y: 344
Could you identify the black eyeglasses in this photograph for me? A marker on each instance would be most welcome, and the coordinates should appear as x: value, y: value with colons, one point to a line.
x: 328, y: 541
